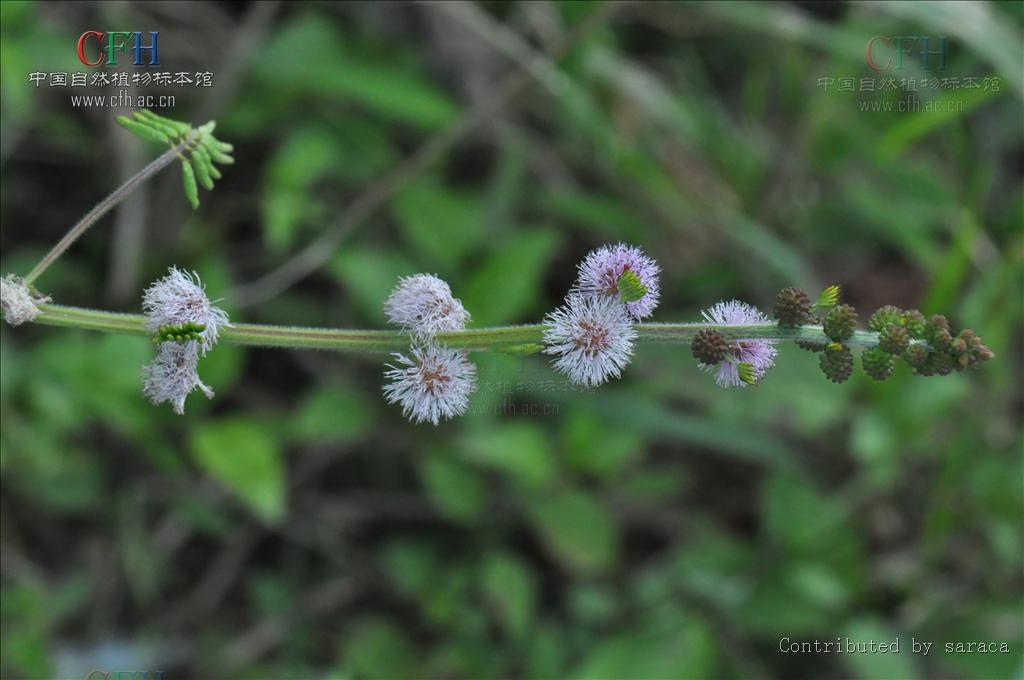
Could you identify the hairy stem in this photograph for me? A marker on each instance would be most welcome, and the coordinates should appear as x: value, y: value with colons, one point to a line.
x: 498, y: 339
x: 103, y: 207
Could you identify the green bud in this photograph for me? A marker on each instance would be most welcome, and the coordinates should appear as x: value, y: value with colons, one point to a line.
x: 914, y: 322
x: 878, y: 363
x: 792, y: 307
x: 883, y: 317
x: 840, y: 322
x: 836, y: 362
x: 894, y: 339
x: 709, y: 347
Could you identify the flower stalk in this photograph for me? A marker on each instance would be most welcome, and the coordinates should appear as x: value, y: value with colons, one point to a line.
x: 102, y: 208
x: 496, y: 339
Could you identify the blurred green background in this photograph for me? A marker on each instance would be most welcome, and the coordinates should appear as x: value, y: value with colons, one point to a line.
x: 297, y: 526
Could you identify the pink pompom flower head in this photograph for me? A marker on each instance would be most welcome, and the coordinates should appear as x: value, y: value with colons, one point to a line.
x: 423, y: 305
x: 624, y: 273
x: 592, y: 337
x: 747, y: 359
x: 434, y: 383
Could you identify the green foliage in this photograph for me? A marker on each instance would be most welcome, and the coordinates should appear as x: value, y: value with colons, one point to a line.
x: 243, y: 456
x: 507, y: 284
x: 577, y: 529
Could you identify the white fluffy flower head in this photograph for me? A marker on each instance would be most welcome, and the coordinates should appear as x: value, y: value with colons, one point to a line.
x: 423, y: 305
x: 173, y: 375
x: 180, y: 298
x: 17, y: 300
x: 592, y: 337
x: 434, y: 384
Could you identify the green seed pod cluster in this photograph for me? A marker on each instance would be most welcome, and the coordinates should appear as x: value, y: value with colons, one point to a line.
x: 937, y: 333
x: 183, y: 332
x: 884, y: 317
x: 939, y: 363
x: 709, y: 347
x: 878, y: 363
x: 840, y: 322
x: 916, y: 356
x: 792, y: 307
x: 894, y: 339
x: 836, y: 362
x: 927, y: 345
x: 914, y: 322
x: 967, y: 350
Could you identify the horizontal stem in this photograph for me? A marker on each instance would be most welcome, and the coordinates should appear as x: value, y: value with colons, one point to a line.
x: 501, y: 338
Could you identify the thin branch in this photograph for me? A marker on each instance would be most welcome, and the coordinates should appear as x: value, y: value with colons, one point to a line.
x: 102, y: 208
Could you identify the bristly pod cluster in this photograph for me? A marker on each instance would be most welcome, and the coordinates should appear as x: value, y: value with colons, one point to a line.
x: 928, y: 346
x: 435, y: 381
x: 197, y: 148
x: 184, y: 324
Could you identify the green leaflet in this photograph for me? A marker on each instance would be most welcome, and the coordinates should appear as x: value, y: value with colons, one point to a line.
x: 188, y: 178
x: 198, y: 148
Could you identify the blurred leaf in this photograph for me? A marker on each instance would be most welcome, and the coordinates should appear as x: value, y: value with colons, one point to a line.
x: 333, y: 413
x: 507, y: 284
x: 139, y: 555
x: 603, y: 214
x: 378, y: 649
x: 308, y: 155
x: 369, y: 274
x: 687, y: 650
x: 452, y: 486
x: 519, y: 450
x: 797, y: 515
x: 244, y: 457
x: 309, y: 58
x: 878, y: 665
x: 591, y: 445
x: 440, y: 225
x: 510, y: 588
x: 577, y: 530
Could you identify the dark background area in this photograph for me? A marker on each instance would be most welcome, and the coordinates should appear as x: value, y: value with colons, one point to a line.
x: 297, y: 526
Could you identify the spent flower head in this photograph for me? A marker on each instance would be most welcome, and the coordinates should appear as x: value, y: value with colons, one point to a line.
x: 592, y: 337
x: 178, y: 299
x: 434, y: 383
x: 759, y: 354
x: 624, y: 273
x: 423, y: 305
x: 173, y: 375
x: 17, y: 301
